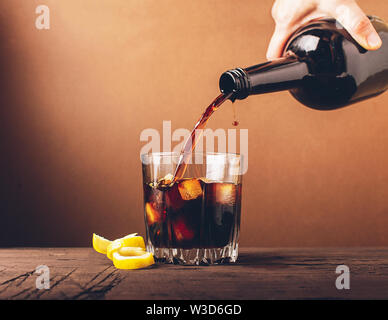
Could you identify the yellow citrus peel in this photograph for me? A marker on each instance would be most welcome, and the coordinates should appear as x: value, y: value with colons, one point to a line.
x: 127, y: 253
x: 141, y: 259
x: 100, y: 244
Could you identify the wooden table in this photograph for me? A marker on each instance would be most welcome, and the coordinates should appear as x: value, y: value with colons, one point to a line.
x: 81, y: 273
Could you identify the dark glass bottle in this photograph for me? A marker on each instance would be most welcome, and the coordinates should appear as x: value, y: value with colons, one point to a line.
x: 323, y: 68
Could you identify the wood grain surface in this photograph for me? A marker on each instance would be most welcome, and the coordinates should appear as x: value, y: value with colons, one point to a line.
x: 309, y: 273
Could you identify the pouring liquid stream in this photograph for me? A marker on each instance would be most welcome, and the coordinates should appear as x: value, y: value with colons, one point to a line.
x: 195, y: 136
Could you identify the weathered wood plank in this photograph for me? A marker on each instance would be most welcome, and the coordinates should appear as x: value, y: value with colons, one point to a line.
x: 81, y: 273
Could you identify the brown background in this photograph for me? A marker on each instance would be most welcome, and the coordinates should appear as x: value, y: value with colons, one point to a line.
x: 75, y: 98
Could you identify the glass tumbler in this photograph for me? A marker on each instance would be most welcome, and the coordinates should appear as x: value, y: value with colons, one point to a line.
x: 196, y: 219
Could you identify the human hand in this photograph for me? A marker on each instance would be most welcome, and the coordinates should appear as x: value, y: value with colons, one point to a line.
x: 289, y: 15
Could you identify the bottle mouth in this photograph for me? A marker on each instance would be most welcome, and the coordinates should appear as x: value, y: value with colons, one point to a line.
x: 234, y: 83
x: 227, y: 83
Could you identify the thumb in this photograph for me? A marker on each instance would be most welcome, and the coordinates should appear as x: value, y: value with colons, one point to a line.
x: 358, y: 25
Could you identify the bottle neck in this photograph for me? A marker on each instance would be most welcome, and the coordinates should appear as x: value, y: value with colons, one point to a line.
x: 281, y: 74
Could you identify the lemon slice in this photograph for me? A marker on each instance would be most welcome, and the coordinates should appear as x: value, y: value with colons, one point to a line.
x: 127, y: 252
x: 134, y: 241
x: 132, y: 262
x: 100, y: 244
x: 113, y: 247
x: 131, y: 251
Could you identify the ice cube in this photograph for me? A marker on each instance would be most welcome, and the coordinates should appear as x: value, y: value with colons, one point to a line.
x: 152, y: 214
x: 205, y: 180
x: 190, y: 189
x: 181, y: 230
x: 168, y: 178
x: 223, y: 193
x: 226, y: 193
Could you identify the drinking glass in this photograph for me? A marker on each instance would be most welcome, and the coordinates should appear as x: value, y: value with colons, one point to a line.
x: 196, y: 219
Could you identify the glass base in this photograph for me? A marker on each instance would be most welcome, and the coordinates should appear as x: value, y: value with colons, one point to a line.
x: 201, y: 256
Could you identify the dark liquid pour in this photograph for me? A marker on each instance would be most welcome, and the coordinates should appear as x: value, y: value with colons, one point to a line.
x: 194, y: 137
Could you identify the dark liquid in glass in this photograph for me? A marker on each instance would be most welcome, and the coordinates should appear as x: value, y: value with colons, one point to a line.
x: 192, y: 213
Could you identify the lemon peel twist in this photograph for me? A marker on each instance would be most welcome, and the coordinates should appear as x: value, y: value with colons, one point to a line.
x: 128, y: 252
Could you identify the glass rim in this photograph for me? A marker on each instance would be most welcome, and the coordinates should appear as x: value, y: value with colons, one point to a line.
x: 178, y: 154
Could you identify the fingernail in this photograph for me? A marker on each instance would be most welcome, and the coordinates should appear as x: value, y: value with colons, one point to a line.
x: 374, y: 40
